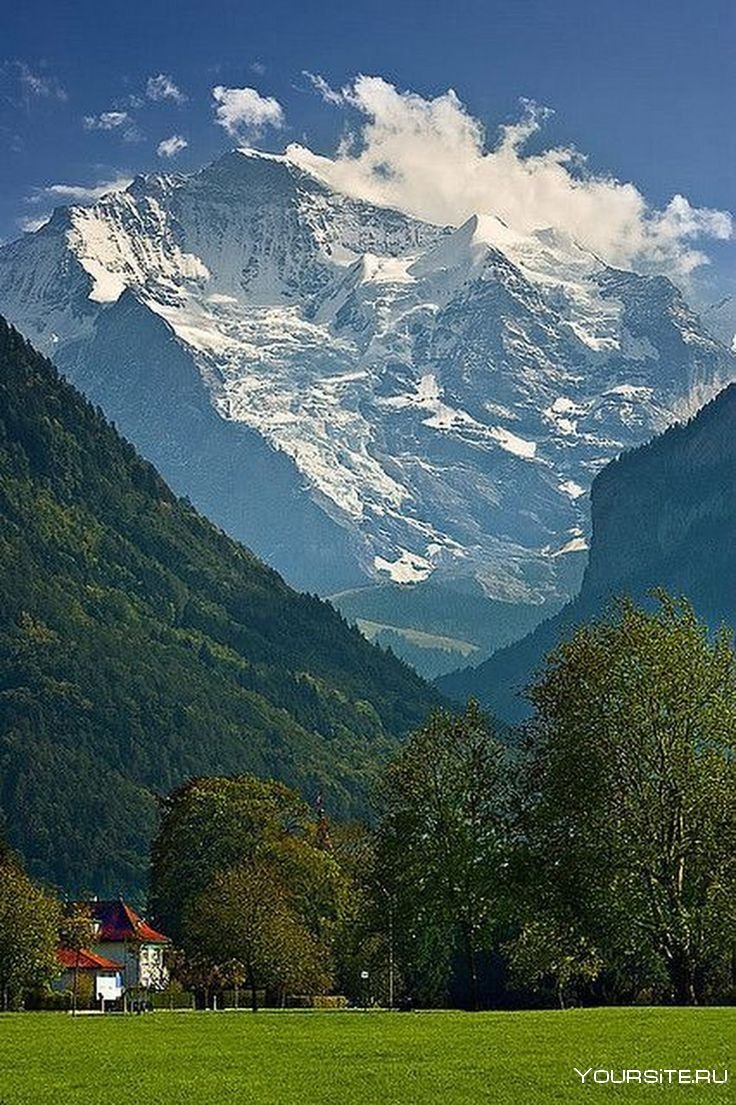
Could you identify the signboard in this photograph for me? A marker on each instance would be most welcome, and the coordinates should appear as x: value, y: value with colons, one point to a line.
x: 108, y: 987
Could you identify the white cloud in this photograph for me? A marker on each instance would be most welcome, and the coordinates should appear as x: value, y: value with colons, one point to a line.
x: 30, y: 223
x: 431, y: 158
x: 329, y: 95
x: 162, y: 87
x: 79, y: 193
x: 108, y: 120
x: 114, y: 121
x: 244, y: 109
x: 36, y: 84
x: 170, y: 147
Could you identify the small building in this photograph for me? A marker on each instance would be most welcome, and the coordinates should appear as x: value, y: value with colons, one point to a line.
x: 101, y: 978
x: 124, y: 937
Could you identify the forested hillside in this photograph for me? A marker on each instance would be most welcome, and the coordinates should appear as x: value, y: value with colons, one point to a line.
x: 139, y: 646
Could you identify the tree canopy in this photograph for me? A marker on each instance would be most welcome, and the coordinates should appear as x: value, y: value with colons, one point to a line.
x: 632, y: 781
x: 242, y: 879
x: 442, y: 845
x: 29, y: 927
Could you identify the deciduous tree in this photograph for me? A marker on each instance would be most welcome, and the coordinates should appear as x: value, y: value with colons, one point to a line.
x: 442, y: 846
x: 29, y: 925
x: 247, y: 918
x: 241, y: 875
x: 633, y: 773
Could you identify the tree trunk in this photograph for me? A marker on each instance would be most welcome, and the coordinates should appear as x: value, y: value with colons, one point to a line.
x: 682, y: 977
x: 253, y: 993
x: 472, y: 967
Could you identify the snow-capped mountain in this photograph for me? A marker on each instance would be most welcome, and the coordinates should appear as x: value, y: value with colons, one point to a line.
x: 356, y: 394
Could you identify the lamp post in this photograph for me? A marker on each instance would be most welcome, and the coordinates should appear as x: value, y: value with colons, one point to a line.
x: 364, y: 980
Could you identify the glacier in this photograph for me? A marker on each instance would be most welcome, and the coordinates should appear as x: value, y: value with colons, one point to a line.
x: 359, y: 395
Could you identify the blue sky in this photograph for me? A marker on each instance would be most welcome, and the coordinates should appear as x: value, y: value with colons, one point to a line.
x: 645, y: 90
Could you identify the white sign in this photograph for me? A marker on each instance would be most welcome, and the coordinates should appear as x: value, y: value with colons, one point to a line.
x: 109, y: 987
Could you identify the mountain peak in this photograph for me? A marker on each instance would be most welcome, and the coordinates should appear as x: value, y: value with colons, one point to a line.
x: 266, y: 175
x: 445, y: 396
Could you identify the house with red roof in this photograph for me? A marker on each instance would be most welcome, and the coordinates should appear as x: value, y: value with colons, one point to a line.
x: 105, y: 976
x: 123, y: 937
x: 85, y: 960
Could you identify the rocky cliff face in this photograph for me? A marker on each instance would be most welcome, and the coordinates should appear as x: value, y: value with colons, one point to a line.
x: 360, y: 396
x: 664, y: 515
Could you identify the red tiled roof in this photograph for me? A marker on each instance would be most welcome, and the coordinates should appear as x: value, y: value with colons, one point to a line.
x: 88, y: 961
x: 120, y: 922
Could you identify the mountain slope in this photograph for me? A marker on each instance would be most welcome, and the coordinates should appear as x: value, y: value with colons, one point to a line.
x: 139, y: 645
x: 422, y: 401
x: 664, y: 515
x: 434, y: 627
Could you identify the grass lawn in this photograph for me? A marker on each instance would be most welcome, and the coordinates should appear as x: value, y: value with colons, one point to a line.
x: 310, y: 1058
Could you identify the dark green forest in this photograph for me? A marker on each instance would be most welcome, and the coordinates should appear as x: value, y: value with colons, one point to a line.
x: 140, y: 646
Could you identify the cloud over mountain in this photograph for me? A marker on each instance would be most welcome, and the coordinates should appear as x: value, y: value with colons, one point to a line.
x: 432, y: 158
x: 79, y: 193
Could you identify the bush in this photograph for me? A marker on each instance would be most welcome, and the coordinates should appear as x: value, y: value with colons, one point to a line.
x: 317, y: 1001
x: 174, y: 997
x: 49, y: 1001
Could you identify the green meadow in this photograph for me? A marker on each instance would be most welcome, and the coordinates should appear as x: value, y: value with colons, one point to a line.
x: 356, y: 1058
